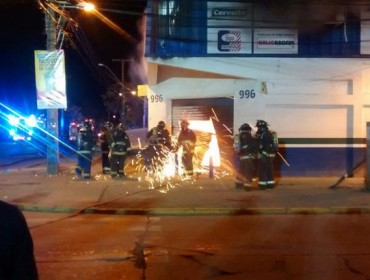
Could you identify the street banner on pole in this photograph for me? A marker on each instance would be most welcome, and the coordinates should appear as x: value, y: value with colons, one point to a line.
x: 142, y: 90
x: 50, y: 79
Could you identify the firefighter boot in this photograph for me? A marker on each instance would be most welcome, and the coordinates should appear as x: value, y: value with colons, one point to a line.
x: 78, y: 172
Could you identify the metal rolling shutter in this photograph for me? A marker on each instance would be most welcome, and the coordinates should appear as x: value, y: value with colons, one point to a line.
x: 200, y: 113
x: 201, y: 109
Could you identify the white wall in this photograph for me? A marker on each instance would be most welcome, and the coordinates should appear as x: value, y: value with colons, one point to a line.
x: 273, y: 69
x: 306, y: 97
x: 188, y: 88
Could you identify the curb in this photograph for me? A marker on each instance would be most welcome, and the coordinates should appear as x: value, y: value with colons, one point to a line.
x: 36, y: 208
x: 199, y: 211
x: 350, y: 210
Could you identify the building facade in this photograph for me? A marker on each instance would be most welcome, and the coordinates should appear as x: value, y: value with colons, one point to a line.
x: 302, y: 67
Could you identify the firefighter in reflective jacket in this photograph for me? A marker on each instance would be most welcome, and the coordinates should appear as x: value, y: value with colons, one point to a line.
x: 159, y: 146
x: 85, y: 146
x: 120, y: 149
x: 187, y: 141
x: 105, y: 143
x: 246, y: 146
x: 267, y: 150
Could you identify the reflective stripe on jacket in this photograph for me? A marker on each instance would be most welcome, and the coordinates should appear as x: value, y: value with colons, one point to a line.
x: 121, y: 143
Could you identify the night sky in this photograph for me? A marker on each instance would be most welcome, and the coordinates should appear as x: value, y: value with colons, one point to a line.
x: 22, y: 32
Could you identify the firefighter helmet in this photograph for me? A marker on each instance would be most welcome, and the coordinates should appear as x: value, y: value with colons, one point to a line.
x: 245, y: 127
x: 184, y: 123
x: 161, y: 124
x: 87, y: 123
x: 261, y: 123
x: 121, y: 127
x: 108, y: 124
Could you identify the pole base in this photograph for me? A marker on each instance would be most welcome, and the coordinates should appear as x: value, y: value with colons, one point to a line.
x: 367, y: 183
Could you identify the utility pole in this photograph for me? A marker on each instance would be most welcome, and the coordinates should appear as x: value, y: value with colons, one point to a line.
x: 122, y: 61
x: 52, y: 114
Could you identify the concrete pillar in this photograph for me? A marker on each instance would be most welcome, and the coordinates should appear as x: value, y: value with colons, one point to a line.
x: 52, y: 114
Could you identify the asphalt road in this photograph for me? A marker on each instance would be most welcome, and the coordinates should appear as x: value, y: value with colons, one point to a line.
x: 235, y: 247
x: 16, y: 152
x: 21, y: 154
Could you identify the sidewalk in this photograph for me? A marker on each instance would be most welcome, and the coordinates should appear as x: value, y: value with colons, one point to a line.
x: 33, y: 190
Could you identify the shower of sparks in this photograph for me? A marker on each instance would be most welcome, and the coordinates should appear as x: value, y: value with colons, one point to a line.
x: 215, y: 115
x: 227, y: 128
x: 161, y: 164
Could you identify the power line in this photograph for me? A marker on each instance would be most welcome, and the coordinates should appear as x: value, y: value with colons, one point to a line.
x: 221, y: 20
x: 238, y: 20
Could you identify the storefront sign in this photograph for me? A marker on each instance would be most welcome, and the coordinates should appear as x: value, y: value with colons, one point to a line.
x: 229, y: 14
x: 229, y: 41
x: 275, y: 41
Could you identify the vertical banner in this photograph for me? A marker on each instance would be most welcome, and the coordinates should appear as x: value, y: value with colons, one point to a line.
x: 50, y: 79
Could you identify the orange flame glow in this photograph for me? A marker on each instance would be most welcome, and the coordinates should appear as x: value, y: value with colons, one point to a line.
x: 214, y: 152
x: 213, y: 149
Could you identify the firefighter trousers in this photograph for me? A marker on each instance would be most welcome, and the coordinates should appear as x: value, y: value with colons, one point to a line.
x: 246, y: 171
x: 265, y: 172
x: 187, y: 163
x: 105, y: 162
x: 84, y: 160
x: 117, y: 165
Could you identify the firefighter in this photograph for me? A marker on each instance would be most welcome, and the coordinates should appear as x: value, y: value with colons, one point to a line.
x: 268, y: 146
x: 120, y: 149
x: 246, y: 147
x: 105, y: 143
x: 159, y: 146
x: 85, y: 147
x: 187, y: 141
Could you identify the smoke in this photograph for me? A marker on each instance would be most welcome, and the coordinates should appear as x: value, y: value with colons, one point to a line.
x: 137, y: 71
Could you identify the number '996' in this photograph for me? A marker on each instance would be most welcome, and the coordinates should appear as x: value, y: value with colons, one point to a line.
x: 247, y: 93
x: 156, y: 98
